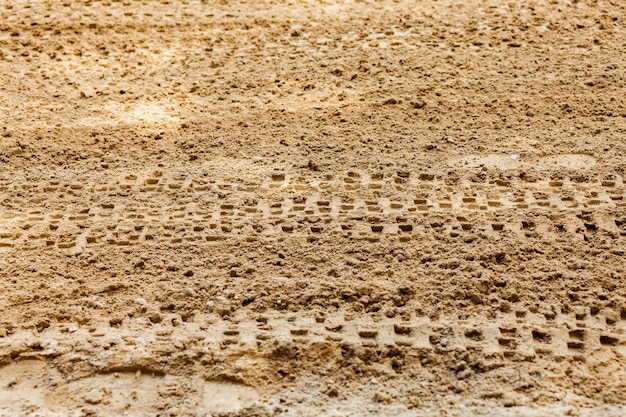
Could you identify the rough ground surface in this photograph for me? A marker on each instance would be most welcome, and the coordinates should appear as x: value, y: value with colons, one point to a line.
x: 312, y: 208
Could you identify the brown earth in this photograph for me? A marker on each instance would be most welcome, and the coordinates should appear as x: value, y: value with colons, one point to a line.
x: 312, y: 207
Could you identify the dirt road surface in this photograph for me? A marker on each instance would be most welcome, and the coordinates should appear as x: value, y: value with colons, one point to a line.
x: 312, y: 208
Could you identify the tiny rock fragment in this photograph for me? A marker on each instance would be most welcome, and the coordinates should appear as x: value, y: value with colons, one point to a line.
x: 93, y: 396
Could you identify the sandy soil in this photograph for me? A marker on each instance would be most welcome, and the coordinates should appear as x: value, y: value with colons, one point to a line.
x: 264, y: 208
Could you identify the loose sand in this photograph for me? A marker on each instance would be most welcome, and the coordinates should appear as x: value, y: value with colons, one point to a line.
x: 319, y: 208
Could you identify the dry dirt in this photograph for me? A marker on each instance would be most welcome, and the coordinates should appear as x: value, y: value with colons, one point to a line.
x: 259, y: 208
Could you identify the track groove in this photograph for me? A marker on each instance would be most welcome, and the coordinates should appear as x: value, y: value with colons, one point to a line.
x: 190, y: 209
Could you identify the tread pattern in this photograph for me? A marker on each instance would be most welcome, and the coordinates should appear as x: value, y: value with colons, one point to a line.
x: 511, y: 337
x: 173, y: 209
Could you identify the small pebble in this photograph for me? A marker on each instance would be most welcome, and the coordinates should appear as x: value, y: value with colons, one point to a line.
x: 515, y: 156
x: 140, y: 301
x: 382, y: 397
x: 93, y: 397
x: 210, y: 304
x: 190, y: 292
